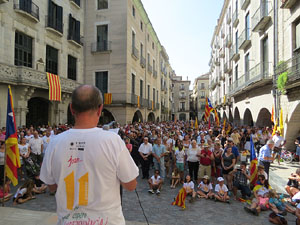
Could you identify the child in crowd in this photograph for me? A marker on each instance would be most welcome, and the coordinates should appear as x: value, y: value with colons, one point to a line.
x: 277, y: 203
x: 39, y: 186
x: 205, y: 189
x: 175, y: 178
x: 128, y: 145
x: 189, y: 187
x: 221, y: 191
x: 5, y: 190
x: 24, y: 193
x: 155, y: 183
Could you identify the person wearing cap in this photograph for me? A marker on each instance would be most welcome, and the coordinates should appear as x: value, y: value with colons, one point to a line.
x: 265, y: 155
x: 221, y: 191
x: 205, y: 157
x: 205, y: 189
x: 278, y: 143
x: 240, y: 182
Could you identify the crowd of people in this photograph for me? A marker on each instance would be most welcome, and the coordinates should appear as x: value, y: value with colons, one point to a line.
x: 209, y: 163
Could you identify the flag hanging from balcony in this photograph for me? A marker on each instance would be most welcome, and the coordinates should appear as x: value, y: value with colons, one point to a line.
x: 54, y: 87
x: 138, y: 100
x: 152, y: 105
x: 208, y: 109
x: 196, y: 123
x: 272, y: 115
x: 11, y: 142
x: 107, y: 98
x: 281, y: 122
x: 217, y: 118
x: 224, y: 125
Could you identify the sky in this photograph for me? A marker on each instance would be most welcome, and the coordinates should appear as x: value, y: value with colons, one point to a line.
x: 185, y: 28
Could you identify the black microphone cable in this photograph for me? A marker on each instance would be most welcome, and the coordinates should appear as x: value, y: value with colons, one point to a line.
x: 141, y: 206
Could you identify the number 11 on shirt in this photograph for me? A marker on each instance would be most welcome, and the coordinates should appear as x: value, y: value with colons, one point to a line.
x: 70, y: 189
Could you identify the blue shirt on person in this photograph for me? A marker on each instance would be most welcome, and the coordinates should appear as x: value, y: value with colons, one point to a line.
x: 158, y: 150
x: 265, y: 151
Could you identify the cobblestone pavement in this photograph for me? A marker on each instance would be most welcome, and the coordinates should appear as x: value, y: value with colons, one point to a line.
x: 159, y: 210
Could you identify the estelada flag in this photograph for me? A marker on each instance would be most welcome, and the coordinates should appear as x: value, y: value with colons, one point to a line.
x: 217, y: 118
x: 54, y: 87
x: 272, y: 115
x: 208, y: 109
x: 196, y: 123
x: 180, y: 198
x: 11, y: 142
x: 253, y: 163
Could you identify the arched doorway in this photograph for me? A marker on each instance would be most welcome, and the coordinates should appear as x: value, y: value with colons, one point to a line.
x: 248, y: 118
x: 157, y: 119
x: 292, y: 128
x: 38, y: 112
x: 264, y: 118
x: 151, y: 117
x: 230, y: 116
x: 137, y: 117
x: 236, y: 118
x: 106, y: 117
x: 182, y: 117
x: 70, y: 117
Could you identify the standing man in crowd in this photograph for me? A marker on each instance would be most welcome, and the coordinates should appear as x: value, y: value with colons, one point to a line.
x: 87, y: 165
x: 145, y: 151
x: 36, y: 146
x: 278, y: 143
x: 46, y: 140
x: 159, y: 152
x: 265, y: 155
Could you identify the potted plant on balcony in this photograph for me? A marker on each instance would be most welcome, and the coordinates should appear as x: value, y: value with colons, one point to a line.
x: 283, y: 72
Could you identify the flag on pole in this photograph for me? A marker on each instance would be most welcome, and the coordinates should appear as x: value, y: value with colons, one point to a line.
x: 217, y: 118
x: 196, y: 123
x: 272, y: 115
x: 54, y: 87
x: 228, y: 128
x: 180, y: 198
x: 208, y: 109
x: 253, y: 163
x: 275, y: 127
x: 11, y: 142
x: 224, y: 124
x: 281, y: 122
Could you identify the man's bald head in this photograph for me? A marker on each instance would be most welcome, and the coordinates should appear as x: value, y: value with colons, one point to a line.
x: 86, y: 98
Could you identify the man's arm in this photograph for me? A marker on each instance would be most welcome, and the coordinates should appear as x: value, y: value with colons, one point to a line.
x: 130, y: 186
x: 52, y: 187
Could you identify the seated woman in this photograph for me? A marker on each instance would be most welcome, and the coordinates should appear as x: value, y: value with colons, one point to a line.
x: 24, y: 193
x: 189, y: 187
x: 175, y: 178
x: 5, y: 190
x: 205, y: 189
x: 221, y: 191
x: 277, y: 204
x: 293, y: 185
x: 261, y: 200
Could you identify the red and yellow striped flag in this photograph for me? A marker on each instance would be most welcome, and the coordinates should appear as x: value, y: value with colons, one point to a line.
x: 11, y: 142
x: 152, y: 105
x: 272, y: 115
x: 54, y: 87
x: 180, y: 199
x: 217, y: 118
x: 138, y: 100
x: 107, y: 98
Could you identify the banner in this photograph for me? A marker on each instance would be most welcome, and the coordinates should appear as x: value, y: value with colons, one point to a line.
x: 54, y: 87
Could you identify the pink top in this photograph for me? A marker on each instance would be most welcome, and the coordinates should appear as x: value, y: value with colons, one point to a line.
x: 129, y: 146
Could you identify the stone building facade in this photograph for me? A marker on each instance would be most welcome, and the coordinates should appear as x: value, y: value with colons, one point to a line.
x: 38, y: 37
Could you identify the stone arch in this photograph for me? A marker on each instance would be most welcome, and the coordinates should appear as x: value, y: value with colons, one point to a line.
x: 236, y: 118
x: 248, y: 120
x: 106, y: 117
x: 151, y: 117
x: 137, y: 117
x: 38, y: 112
x: 182, y: 116
x: 230, y: 116
x: 157, y: 119
x: 292, y: 128
x: 264, y: 118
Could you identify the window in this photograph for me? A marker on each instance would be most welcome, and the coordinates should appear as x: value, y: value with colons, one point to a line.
x: 148, y: 58
x: 23, y: 50
x: 202, y: 86
x: 153, y: 94
x: 153, y: 64
x: 132, y: 83
x: 133, y: 11
x: 297, y: 35
x: 142, y: 26
x: 141, y: 88
x: 142, y: 49
x: 236, y: 42
x: 247, y: 65
x: 202, y: 105
x: 102, y: 37
x: 74, y: 29
x: 51, y: 60
x: 182, y: 94
x: 55, y: 16
x: 182, y: 106
x: 157, y: 96
x: 247, y: 27
x: 133, y: 39
x: 148, y: 37
x: 236, y: 74
x: 153, y: 45
x: 72, y: 62
x: 202, y: 94
x: 181, y: 86
x: 102, y: 4
x: 101, y: 81
x: 148, y: 90
x: 265, y: 56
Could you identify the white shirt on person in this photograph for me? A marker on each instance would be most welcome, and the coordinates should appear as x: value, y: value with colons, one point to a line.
x: 205, y: 187
x: 36, y: 145
x: 155, y: 180
x: 189, y: 185
x: 145, y: 149
x: 179, y: 156
x: 192, y: 154
x: 28, y: 137
x: 277, y: 140
x: 221, y: 190
x: 46, y: 141
x: 88, y: 166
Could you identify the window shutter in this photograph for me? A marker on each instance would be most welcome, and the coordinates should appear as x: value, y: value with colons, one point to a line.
x: 70, y: 33
x: 60, y: 18
x: 77, y: 30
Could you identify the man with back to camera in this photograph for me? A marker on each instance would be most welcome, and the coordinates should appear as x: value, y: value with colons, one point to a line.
x: 87, y: 165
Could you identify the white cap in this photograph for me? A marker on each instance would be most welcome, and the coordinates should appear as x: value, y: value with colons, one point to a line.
x: 220, y: 179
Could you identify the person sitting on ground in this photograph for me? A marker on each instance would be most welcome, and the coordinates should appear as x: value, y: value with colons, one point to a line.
x: 39, y: 186
x: 24, y: 193
x: 261, y: 171
x: 277, y: 204
x: 189, y: 187
x: 5, y: 190
x: 293, y: 185
x: 205, y: 188
x: 155, y: 183
x: 241, y: 177
x: 175, y: 178
x: 221, y: 191
x: 261, y: 200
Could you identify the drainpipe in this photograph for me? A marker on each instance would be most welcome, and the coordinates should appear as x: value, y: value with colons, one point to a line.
x: 275, y: 54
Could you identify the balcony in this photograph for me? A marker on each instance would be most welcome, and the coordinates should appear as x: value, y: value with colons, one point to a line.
x: 244, y: 4
x: 222, y: 52
x: 157, y: 106
x: 28, y: 9
x: 76, y: 3
x: 181, y: 88
x: 288, y: 4
x: 164, y: 110
x: 75, y: 39
x: 217, y: 62
x: 222, y: 33
x: 143, y: 62
x: 228, y: 41
x: 228, y: 17
x: 102, y: 46
x: 135, y: 53
x: 149, y: 105
x: 234, y: 53
x: 182, y: 97
x: 154, y: 73
x: 262, y: 16
x: 244, y: 39
x: 259, y: 75
x: 19, y: 75
x: 143, y: 102
x: 235, y: 18
x: 163, y: 88
x: 150, y: 69
x: 54, y: 25
x: 227, y: 67
x: 134, y: 99
x: 181, y: 110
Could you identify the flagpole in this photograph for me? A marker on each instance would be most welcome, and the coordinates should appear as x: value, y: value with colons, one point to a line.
x: 4, y: 178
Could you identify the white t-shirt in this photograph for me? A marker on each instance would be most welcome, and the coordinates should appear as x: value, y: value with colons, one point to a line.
x: 155, y: 180
x: 189, y: 184
x: 179, y: 156
x: 28, y: 137
x: 205, y: 187
x: 145, y: 149
x: 20, y: 192
x: 221, y: 190
x: 277, y: 140
x: 46, y: 141
x: 23, y: 149
x: 263, y: 190
x: 36, y: 145
x: 192, y: 154
x: 88, y: 166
